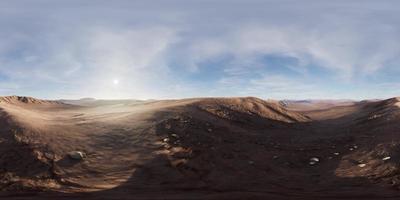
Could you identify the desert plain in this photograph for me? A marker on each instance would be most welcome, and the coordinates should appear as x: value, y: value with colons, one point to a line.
x: 200, y: 148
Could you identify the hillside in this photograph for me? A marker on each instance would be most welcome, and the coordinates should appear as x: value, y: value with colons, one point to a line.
x: 25, y: 100
x: 37, y: 135
x: 203, y: 148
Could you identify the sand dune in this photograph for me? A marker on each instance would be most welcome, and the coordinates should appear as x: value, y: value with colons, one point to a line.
x: 204, y: 148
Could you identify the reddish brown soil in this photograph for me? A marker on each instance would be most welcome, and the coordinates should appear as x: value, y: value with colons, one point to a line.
x: 214, y: 148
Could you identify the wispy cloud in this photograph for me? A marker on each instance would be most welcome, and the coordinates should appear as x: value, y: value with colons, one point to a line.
x: 162, y: 49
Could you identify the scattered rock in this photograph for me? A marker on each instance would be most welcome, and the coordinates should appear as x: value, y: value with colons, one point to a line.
x: 275, y: 157
x: 209, y: 130
x: 77, y: 155
x: 166, y: 140
x: 313, y: 161
x: 374, y: 117
x: 251, y: 162
x: 355, y: 146
x: 49, y: 156
x: 336, y: 153
x: 351, y: 149
x: 362, y: 165
x: 386, y: 158
x: 174, y: 135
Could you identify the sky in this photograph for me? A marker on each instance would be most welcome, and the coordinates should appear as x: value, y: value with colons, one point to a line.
x: 162, y: 49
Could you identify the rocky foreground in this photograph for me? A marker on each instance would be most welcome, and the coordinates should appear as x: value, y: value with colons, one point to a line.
x: 211, y: 148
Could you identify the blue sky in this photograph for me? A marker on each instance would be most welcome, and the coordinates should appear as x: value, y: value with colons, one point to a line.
x: 282, y: 49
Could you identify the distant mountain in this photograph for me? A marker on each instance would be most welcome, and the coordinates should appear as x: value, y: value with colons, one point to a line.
x: 303, y: 105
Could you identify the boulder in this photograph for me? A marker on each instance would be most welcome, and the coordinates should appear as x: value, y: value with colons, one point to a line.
x: 76, y: 155
x: 362, y: 165
x: 314, y: 161
x: 386, y: 158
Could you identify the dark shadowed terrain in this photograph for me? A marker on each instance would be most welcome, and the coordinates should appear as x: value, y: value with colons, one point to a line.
x: 206, y: 148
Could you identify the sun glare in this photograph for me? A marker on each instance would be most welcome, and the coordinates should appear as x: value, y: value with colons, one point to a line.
x: 116, y: 81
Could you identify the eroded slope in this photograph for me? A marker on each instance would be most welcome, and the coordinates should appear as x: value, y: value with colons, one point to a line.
x: 209, y: 148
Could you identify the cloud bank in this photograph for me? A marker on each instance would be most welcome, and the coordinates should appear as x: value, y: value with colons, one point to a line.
x: 174, y: 49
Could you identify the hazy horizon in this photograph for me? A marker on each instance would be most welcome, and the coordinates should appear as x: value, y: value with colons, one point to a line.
x: 181, y: 49
x: 196, y: 97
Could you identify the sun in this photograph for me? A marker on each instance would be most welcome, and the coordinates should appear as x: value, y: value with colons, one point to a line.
x: 115, y: 81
